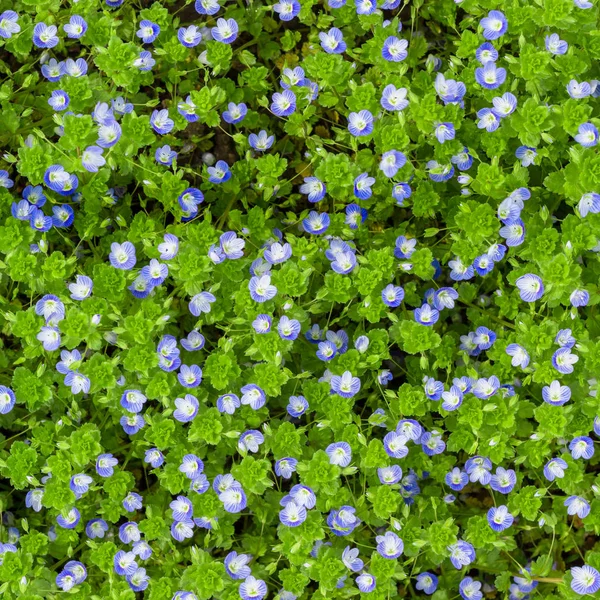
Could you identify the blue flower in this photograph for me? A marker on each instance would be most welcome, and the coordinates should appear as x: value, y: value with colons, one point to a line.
x: 219, y: 173
x: 456, y: 479
x: 394, y: 444
x: 486, y: 53
x: 233, y: 499
x: 190, y: 36
x: 228, y: 403
x: 488, y: 119
x: 122, y: 256
x: 92, y: 159
x: 138, y: 581
x: 76, y: 27
x: 389, y: 475
x: 190, y: 198
x: 344, y: 521
x: 469, y: 588
x: 582, y: 447
x: 393, y: 98
x: 50, y: 338
x: 351, y: 559
x: 96, y: 528
x: 439, y: 173
x: 520, y: 356
x: 576, y: 505
x: 261, y: 289
x: 463, y: 161
x: 360, y: 123
x: 585, y: 580
x: 426, y: 582
x: 555, y: 45
x: 314, y: 188
x: 392, y: 295
x: 262, y: 324
x: 44, y: 36
x: 426, y: 315
x: 578, y: 90
x: 169, y: 247
x: 154, y: 457
x: 555, y: 468
x: 161, y: 122
x: 283, y: 104
x: 346, y: 385
x: 288, y: 329
x: 261, y: 142
x: 355, y: 215
x: 105, y: 464
x: 108, y: 134
x: 69, y: 519
x: 144, y: 62
x: 486, y: 388
x: 494, y: 25
x: 285, y: 467
x: 187, y: 407
x: 235, y: 113
x: 253, y: 396
x: 526, y: 155
x: 499, y: 518
x: 589, y: 203
x: 563, y: 360
x: 344, y: 263
x: 201, y: 303
x: 292, y: 77
x: 391, y: 162
x: 250, y: 441
x: 226, y: 31
x: 394, y: 49
x: 165, y: 156
x: 207, y: 7
x: 7, y: 400
x: 513, y: 232
x: 579, y: 298
x: 8, y: 24
x: 191, y: 466
x: 490, y: 76
x: 76, y: 68
x: 462, y: 554
x: 59, y: 100
x: 366, y: 582
x: 236, y: 565
x: 444, y: 132
x: 292, y: 514
x: 53, y: 70
x: 389, y: 545
x: 148, y: 31
x: 253, y: 589
x: 333, y: 41
x: 287, y: 9
x: 503, y: 481
x: 182, y: 530
x: 129, y: 532
x: 316, y: 223
x: 432, y: 443
x: 132, y: 423
x: 449, y: 90
x: 587, y: 135
x: 452, y: 399
x: 339, y: 453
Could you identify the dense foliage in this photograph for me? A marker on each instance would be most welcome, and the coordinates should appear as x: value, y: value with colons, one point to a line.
x: 299, y: 300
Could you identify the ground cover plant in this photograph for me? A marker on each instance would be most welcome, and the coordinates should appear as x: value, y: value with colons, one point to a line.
x: 299, y: 300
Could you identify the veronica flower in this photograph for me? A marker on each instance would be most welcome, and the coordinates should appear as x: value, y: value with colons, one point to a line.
x: 392, y: 295
x: 585, y: 580
x: 191, y: 466
x: 261, y: 142
x: 394, y: 49
x: 504, y: 105
x: 444, y: 132
x: 220, y: 173
x: 333, y: 41
x: 404, y: 247
x: 439, y: 173
x: 555, y: 45
x: 484, y: 338
x: 469, y: 588
x: 426, y: 582
x: 129, y: 532
x: 576, y: 505
x: 7, y: 400
x: 253, y: 589
x: 303, y: 496
x: 80, y: 483
x: 462, y: 554
x: 148, y: 31
x: 490, y: 76
x: 486, y: 53
x: 488, y: 120
x: 394, y: 444
x: 578, y: 90
x: 503, y: 480
x: 236, y: 565
x: 262, y: 324
x: 587, y: 135
x: 59, y: 100
x: 182, y: 530
x: 391, y: 162
x: 360, y: 123
x: 456, y: 479
x: 105, y: 464
x: 285, y: 467
x: 253, y: 396
x: 355, y: 215
x: 96, y: 528
x: 132, y: 423
x: 351, y: 559
x: 50, y: 338
x: 589, y: 203
x: 69, y: 519
x: 187, y: 408
x: 563, y: 360
x: 8, y: 24
x: 520, y: 356
x: 234, y: 500
x: 316, y: 223
x: 449, y: 91
x: 339, y: 453
x: 226, y: 31
x: 494, y: 25
x: 393, y: 98
x: 389, y: 545
x: 190, y: 36
x: 426, y: 315
x: 452, y: 399
x: 288, y: 329
x: 44, y: 36
x: 582, y: 447
x: 389, y: 475
x: 342, y: 522
x: 154, y: 457
x: 161, y: 122
x: 344, y: 263
x: 293, y: 77
x: 165, y: 156
x: 261, y: 289
x: 345, y: 385
x: 235, y: 113
x: 144, y: 62
x: 555, y: 468
x: 292, y: 514
x: 526, y: 155
x: 283, y: 104
x: 201, y: 303
x: 433, y: 389
x: 228, y: 403
x: 432, y: 443
x: 486, y: 388
x: 579, y: 298
x: 287, y: 9
x: 207, y: 7
x: 250, y: 440
x: 314, y: 188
